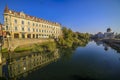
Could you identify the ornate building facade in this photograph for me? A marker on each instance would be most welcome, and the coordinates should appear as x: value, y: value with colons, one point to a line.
x: 109, y: 34
x: 21, y: 25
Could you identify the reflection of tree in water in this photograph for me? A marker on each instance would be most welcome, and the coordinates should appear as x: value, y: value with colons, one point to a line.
x: 66, y: 53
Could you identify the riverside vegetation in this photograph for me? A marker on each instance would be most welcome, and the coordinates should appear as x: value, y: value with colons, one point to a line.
x: 68, y: 41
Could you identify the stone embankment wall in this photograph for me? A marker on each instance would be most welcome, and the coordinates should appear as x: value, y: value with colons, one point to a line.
x: 112, y: 41
x: 115, y: 43
x: 11, y: 44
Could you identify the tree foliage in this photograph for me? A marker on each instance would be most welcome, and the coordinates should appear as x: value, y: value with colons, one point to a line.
x: 70, y: 38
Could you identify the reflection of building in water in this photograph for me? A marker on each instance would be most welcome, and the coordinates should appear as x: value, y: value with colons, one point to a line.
x: 106, y: 47
x: 28, y: 63
x: 98, y: 42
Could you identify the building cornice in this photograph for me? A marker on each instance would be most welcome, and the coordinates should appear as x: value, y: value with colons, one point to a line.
x: 28, y: 17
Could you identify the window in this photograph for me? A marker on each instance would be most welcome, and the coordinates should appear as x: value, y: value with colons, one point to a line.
x: 36, y: 30
x: 16, y: 29
x: 33, y: 30
x: 6, y: 27
x: 28, y: 23
x: 22, y: 22
x: 29, y: 29
x: 39, y: 30
x: 22, y: 29
x: 42, y: 26
x: 6, y: 19
x: 36, y: 25
x: 15, y: 21
x: 33, y: 24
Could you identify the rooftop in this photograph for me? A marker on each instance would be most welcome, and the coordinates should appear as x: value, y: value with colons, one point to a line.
x: 25, y: 16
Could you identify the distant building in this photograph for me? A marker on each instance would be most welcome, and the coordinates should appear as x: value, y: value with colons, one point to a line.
x: 21, y: 25
x: 109, y: 34
x: 99, y: 35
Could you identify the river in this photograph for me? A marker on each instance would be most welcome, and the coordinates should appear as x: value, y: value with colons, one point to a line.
x: 95, y: 61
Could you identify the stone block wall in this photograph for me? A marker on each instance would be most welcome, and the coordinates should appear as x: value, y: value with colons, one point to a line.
x: 11, y: 44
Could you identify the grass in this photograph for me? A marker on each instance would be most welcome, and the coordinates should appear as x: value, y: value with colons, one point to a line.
x: 21, y: 49
x: 47, y: 46
x: 5, y: 50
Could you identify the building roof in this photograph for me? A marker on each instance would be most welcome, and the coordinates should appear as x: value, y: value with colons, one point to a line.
x: 109, y: 29
x: 23, y: 15
x: 6, y: 10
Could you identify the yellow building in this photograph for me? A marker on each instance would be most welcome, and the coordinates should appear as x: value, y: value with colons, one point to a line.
x: 21, y: 25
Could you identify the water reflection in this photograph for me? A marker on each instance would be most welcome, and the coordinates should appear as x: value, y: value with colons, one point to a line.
x: 16, y: 69
x: 96, y: 61
x: 78, y: 77
x: 106, y: 47
x: 98, y: 42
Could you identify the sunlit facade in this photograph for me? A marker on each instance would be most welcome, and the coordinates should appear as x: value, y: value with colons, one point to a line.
x: 21, y: 25
x: 109, y: 34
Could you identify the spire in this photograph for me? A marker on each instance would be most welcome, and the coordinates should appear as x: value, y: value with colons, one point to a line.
x: 6, y: 10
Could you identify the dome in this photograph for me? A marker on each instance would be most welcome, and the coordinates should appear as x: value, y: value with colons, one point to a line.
x: 109, y: 29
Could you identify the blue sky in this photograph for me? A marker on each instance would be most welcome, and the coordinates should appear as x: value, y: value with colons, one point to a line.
x: 89, y: 16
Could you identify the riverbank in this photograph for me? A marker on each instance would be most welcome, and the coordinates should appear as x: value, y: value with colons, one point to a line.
x: 24, y: 50
x: 11, y: 44
x: 69, y: 40
x: 113, y: 43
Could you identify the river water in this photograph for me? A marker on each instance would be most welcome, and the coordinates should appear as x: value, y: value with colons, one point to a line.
x: 95, y: 61
x: 92, y: 62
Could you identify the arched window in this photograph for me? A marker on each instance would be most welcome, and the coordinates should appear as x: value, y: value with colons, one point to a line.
x: 16, y: 28
x: 22, y: 22
x: 22, y: 29
x: 15, y: 21
x: 33, y: 24
x: 6, y: 27
x: 6, y: 19
x: 28, y: 23
x: 29, y: 29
